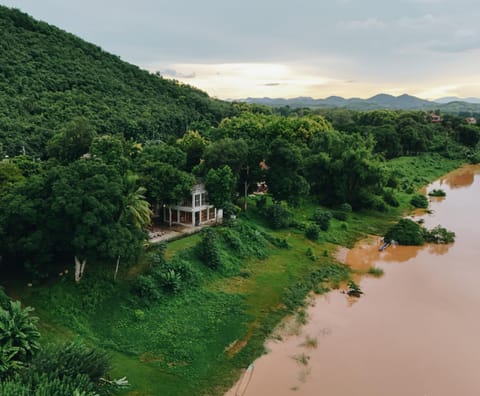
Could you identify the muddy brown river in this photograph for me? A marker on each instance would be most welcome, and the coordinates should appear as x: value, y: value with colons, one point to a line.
x: 415, y: 331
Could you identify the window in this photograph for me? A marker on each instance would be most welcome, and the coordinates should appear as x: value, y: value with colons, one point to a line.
x: 197, y: 200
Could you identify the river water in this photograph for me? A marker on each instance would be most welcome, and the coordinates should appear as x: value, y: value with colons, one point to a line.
x: 415, y: 331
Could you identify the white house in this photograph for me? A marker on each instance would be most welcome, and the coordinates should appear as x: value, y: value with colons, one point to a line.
x: 194, y: 210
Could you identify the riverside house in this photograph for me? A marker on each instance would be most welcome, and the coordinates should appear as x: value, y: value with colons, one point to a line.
x: 194, y: 210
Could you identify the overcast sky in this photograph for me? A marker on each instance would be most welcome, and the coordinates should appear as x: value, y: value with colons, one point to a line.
x: 277, y: 48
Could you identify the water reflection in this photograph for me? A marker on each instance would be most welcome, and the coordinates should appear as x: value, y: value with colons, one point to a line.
x: 462, y: 177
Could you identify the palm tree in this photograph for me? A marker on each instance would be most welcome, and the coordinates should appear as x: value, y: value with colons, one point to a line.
x: 135, y: 204
x: 135, y: 207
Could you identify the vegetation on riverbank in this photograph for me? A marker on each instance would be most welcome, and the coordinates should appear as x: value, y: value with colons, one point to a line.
x: 196, y: 339
x: 185, y: 319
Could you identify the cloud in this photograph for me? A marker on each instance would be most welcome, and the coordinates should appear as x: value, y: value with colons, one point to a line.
x: 240, y: 80
x: 364, y: 24
x: 420, y: 22
x: 463, y: 40
x: 176, y: 74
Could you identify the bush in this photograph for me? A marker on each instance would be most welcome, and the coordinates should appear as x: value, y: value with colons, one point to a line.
x: 310, y: 254
x: 371, y: 201
x: 261, y: 202
x: 245, y: 240
x: 230, y: 212
x: 175, y: 275
x: 322, y: 218
x: 345, y: 207
x: 208, y: 250
x: 439, y: 235
x: 275, y: 241
x: 146, y: 288
x: 353, y: 289
x: 171, y: 281
x: 46, y: 384
x: 19, y: 337
x: 405, y: 232
x: 278, y: 216
x: 375, y: 271
x: 390, y: 198
x: 341, y: 216
x: 312, y: 232
x: 419, y: 201
x: 71, y: 360
x: 437, y: 193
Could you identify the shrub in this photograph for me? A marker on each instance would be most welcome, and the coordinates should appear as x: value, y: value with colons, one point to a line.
x: 19, y: 337
x: 146, y: 288
x: 275, y: 241
x: 390, y: 198
x: 341, y: 216
x: 71, y: 360
x: 45, y: 384
x: 171, y: 281
x: 437, y: 193
x: 371, y: 201
x: 176, y: 275
x: 310, y: 254
x: 208, y: 249
x: 278, y: 216
x: 345, y: 207
x: 419, y: 201
x: 375, y: 271
x: 405, y: 232
x: 322, y: 218
x: 439, y: 235
x: 312, y: 232
x: 353, y: 289
x: 261, y: 202
x: 230, y: 212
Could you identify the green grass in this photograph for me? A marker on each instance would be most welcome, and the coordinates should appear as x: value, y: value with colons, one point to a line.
x: 197, y: 342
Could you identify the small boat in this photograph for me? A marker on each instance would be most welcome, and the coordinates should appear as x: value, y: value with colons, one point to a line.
x: 384, y: 246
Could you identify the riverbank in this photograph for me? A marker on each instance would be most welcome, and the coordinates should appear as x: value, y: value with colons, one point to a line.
x: 198, y: 342
x: 412, y: 332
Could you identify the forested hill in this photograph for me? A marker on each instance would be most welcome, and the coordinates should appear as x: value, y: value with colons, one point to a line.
x: 49, y: 77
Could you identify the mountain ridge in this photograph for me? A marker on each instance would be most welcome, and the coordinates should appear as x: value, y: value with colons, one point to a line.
x: 378, y: 101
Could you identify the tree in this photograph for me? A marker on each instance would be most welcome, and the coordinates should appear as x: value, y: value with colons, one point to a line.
x: 284, y: 174
x: 193, y: 144
x: 72, y: 142
x: 220, y: 184
x: 343, y: 168
x: 231, y: 152
x: 9, y: 173
x: 135, y: 211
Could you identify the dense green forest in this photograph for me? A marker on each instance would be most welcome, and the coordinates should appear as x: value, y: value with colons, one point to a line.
x: 49, y: 77
x: 92, y: 147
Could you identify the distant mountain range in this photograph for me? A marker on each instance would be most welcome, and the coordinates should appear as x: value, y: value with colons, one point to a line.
x: 449, y: 99
x: 380, y: 101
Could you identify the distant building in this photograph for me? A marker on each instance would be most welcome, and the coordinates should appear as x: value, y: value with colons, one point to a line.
x: 194, y: 210
x: 436, y: 119
x: 471, y: 120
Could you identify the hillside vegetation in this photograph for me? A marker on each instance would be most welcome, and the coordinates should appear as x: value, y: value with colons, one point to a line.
x: 107, y: 146
x: 49, y: 77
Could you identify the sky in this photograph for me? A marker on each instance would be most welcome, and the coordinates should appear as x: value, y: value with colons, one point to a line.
x: 278, y: 48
